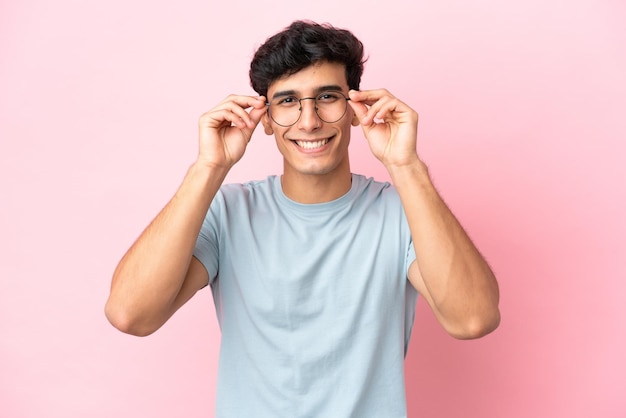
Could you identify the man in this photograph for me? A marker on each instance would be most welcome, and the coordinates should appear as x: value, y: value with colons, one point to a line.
x: 314, y: 273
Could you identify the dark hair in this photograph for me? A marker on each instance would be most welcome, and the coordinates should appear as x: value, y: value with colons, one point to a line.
x: 302, y: 44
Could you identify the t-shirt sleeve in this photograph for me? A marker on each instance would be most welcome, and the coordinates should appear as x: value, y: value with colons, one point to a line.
x: 207, y: 244
x: 408, y: 242
x: 410, y: 258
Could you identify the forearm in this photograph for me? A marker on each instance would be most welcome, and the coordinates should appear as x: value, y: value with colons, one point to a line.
x: 461, y: 286
x: 151, y: 274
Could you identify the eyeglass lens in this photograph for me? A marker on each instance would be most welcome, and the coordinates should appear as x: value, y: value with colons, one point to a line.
x: 330, y: 107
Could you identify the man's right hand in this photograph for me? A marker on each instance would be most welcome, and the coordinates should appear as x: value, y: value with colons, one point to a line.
x: 159, y: 274
x: 226, y: 130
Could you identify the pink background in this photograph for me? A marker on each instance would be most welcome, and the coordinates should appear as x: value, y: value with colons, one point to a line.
x: 522, y: 121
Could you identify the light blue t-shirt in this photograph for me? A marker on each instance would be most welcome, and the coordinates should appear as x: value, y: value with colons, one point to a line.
x: 313, y: 301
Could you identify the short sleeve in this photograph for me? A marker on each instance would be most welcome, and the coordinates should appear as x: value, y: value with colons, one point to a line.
x: 207, y: 243
x: 410, y: 258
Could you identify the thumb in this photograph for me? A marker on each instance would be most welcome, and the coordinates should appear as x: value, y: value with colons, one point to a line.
x: 360, y: 111
x: 255, y: 118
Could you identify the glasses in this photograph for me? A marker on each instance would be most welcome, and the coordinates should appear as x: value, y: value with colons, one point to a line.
x: 330, y: 107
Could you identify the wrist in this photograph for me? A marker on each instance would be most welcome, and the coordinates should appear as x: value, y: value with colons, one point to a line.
x: 412, y: 178
x: 205, y: 177
x: 203, y: 168
x: 414, y: 169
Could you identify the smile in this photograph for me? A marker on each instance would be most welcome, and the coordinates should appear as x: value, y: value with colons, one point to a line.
x: 310, y: 145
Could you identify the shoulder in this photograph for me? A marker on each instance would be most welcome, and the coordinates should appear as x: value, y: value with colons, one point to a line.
x: 247, y: 190
x: 242, y: 199
x: 374, y: 189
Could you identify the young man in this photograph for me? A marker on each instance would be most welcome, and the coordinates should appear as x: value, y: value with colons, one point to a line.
x: 314, y: 273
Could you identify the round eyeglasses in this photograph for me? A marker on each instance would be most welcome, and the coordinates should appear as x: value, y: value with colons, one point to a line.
x: 285, y: 110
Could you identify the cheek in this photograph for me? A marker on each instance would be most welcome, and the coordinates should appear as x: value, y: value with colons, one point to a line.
x: 280, y: 140
x: 347, y: 129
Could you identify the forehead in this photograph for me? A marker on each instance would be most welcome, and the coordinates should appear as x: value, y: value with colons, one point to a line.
x: 310, y: 79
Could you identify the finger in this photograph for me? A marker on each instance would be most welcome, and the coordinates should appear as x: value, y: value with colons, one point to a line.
x: 369, y: 97
x: 244, y: 102
x: 256, y: 114
x: 360, y: 110
x: 220, y: 118
x: 384, y: 106
x: 370, y: 110
x: 238, y: 105
x: 255, y: 117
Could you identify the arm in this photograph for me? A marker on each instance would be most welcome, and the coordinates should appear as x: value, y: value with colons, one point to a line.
x: 449, y: 271
x: 159, y: 274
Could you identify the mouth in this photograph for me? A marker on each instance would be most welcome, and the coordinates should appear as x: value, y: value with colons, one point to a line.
x: 311, y: 145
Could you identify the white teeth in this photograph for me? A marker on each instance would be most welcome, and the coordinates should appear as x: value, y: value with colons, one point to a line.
x: 312, y: 144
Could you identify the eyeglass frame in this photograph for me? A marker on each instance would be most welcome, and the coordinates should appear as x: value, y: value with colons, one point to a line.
x: 268, y: 104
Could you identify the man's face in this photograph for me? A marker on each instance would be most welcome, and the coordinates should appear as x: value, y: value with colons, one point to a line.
x: 312, y: 146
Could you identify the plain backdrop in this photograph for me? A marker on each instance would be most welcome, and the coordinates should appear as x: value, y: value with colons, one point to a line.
x: 522, y: 122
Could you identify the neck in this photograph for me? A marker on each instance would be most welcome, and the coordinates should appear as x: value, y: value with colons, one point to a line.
x: 316, y: 188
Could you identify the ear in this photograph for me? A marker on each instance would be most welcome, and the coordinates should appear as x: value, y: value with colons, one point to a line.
x: 355, y: 119
x: 267, y: 124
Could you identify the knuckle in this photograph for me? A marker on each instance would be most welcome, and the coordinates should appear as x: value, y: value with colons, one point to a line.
x: 205, y: 117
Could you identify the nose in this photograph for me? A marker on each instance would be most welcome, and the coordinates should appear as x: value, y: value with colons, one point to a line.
x: 309, y: 120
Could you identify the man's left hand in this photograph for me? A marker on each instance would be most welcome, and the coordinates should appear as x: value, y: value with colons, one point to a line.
x: 389, y: 125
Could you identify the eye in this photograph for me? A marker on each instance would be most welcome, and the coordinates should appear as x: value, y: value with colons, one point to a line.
x: 328, y: 97
x: 286, y: 101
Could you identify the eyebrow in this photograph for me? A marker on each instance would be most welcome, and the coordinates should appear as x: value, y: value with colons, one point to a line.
x: 318, y: 90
